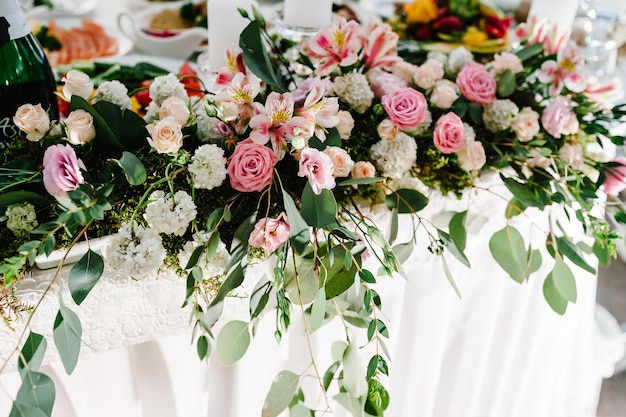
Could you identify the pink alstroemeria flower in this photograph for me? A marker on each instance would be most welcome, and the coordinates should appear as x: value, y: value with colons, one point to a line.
x: 541, y: 30
x: 234, y: 65
x: 276, y: 123
x: 335, y: 46
x: 565, y: 71
x: 242, y: 90
x: 324, y: 111
x: 380, y: 46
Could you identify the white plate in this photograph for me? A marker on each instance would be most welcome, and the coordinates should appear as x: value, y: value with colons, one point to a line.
x: 124, y: 45
x: 63, y: 8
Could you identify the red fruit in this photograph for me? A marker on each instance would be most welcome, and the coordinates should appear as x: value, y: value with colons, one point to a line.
x: 189, y: 78
x: 143, y: 95
x: 496, y: 27
x: 448, y: 24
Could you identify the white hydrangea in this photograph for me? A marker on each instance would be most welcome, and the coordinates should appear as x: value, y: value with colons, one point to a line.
x: 114, y: 92
x: 438, y: 55
x: 395, y: 157
x: 458, y: 59
x: 214, y: 266
x: 170, y: 215
x: 499, y: 115
x: 22, y: 219
x: 470, y: 134
x: 135, y: 251
x: 208, y: 167
x: 354, y: 89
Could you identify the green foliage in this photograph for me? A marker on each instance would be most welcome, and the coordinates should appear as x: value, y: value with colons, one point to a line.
x: 84, y: 275
x: 232, y: 342
x: 283, y: 389
x: 67, y: 334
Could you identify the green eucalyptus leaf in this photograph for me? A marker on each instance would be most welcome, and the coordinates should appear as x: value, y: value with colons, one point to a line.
x: 33, y: 353
x: 203, y: 347
x: 256, y: 57
x: 299, y: 234
x: 508, y: 249
x: 15, y: 197
x: 283, y: 389
x: 67, y: 333
x: 339, y: 278
x: 456, y: 228
x: 35, y: 397
x: 564, y: 281
x: 84, y: 275
x: 453, y: 247
x: 506, y: 83
x: 132, y: 167
x: 568, y: 249
x: 232, y: 342
x: 318, y: 210
x: 354, y: 405
x: 392, y: 234
x: 449, y: 276
x: 601, y: 251
x: 553, y: 297
x: 360, y: 181
x: 406, y: 201
x: 354, y: 373
x: 318, y: 310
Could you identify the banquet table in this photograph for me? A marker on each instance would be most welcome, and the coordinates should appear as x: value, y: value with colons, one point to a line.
x: 498, y: 350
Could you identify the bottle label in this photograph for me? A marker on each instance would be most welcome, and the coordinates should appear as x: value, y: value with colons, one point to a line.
x: 13, y: 26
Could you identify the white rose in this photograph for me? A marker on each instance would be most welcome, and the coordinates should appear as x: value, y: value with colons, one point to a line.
x: 573, y: 155
x: 428, y: 74
x: 404, y: 69
x: 341, y: 161
x: 444, y: 94
x: 506, y: 61
x: 80, y: 128
x: 166, y: 135
x: 229, y: 110
x: 363, y: 169
x: 537, y: 160
x: 526, y: 124
x: 32, y: 120
x: 387, y: 130
x: 472, y: 157
x: 77, y: 82
x: 345, y: 125
x: 175, y: 107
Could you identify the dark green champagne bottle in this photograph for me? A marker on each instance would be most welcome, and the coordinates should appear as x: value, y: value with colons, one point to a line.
x: 25, y: 74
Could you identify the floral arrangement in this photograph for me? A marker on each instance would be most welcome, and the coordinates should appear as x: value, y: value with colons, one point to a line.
x: 446, y: 24
x: 280, y: 164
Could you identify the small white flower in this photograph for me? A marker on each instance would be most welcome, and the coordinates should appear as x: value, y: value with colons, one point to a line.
x: 208, y: 167
x: 135, y: 251
x: 211, y: 266
x: 458, y: 59
x: 354, y: 89
x: 166, y: 86
x: 170, y: 215
x: 114, y: 92
x: 22, y: 219
x: 395, y: 157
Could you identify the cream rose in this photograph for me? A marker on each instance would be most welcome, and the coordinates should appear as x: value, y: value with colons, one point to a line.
x: 77, y: 83
x: 428, y: 74
x: 444, y: 94
x: 32, y: 120
x: 345, y: 125
x: 472, y: 157
x: 175, y: 107
x: 341, y: 161
x: 526, y: 124
x: 80, y: 128
x: 166, y: 135
x: 537, y: 160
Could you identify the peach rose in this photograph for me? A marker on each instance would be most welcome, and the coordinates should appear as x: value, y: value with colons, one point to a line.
x: 428, y: 74
x: 32, y: 120
x: 77, y: 83
x: 345, y: 125
x: 526, y: 124
x: 537, y: 160
x: 341, y: 160
x: 363, y: 169
x: 387, y: 130
x: 80, y: 128
x: 251, y: 166
x: 444, y: 94
x: 166, y: 135
x: 175, y: 107
x: 472, y: 157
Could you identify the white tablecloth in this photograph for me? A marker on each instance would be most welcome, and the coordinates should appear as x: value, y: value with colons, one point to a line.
x: 499, y: 351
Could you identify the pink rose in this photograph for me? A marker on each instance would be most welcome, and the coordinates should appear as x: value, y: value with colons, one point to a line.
x: 251, y: 166
x: 615, y: 180
x: 476, y: 84
x: 270, y: 234
x: 61, y: 170
x: 406, y: 107
x: 383, y: 82
x: 558, y: 118
x: 449, y: 134
x: 318, y: 168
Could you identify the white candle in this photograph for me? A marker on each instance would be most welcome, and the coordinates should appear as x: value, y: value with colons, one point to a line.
x: 560, y: 12
x: 307, y: 13
x: 225, y: 26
